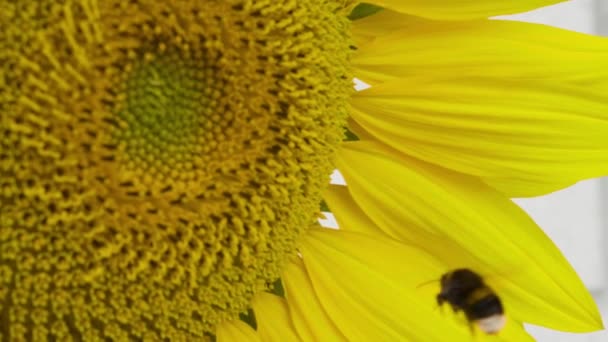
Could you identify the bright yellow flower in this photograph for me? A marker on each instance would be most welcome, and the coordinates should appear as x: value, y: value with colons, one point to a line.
x: 162, y: 165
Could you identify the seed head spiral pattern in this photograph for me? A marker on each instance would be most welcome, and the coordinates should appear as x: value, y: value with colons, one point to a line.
x: 159, y: 159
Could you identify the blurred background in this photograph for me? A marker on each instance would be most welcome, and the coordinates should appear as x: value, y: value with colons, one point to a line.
x: 575, y: 218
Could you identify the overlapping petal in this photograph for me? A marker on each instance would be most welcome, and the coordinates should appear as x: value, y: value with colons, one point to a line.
x: 382, y: 23
x: 367, y: 285
x: 523, y: 137
x: 310, y: 320
x: 352, y: 218
x: 236, y: 330
x: 482, y: 48
x: 273, y: 320
x: 467, y: 224
x: 462, y: 9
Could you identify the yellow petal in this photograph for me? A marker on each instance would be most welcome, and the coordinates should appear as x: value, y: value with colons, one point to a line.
x: 423, y: 205
x: 273, y: 320
x: 350, y: 216
x: 524, y: 137
x: 309, y: 318
x: 380, y: 24
x: 236, y: 331
x: 367, y: 284
x: 461, y: 9
x: 487, y: 48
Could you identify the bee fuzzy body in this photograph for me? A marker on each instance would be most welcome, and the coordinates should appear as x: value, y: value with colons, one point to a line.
x: 465, y: 290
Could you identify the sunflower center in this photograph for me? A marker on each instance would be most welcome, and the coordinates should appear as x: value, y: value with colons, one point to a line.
x: 159, y: 160
x: 167, y: 107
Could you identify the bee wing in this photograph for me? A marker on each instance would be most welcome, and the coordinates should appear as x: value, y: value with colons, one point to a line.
x: 505, y: 274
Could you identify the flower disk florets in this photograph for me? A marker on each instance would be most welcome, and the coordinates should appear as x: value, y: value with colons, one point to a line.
x: 159, y: 159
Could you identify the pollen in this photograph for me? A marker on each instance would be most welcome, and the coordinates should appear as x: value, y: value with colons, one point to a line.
x: 159, y: 160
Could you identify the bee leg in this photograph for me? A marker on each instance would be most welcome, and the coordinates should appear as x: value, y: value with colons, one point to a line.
x: 440, y: 300
x: 440, y: 303
x: 472, y: 328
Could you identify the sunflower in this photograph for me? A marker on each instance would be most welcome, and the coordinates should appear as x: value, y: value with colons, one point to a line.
x: 163, y: 165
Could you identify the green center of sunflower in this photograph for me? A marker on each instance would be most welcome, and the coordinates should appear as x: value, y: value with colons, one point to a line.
x: 167, y: 110
x: 159, y: 160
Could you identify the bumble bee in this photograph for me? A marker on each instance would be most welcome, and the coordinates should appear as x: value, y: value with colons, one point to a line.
x: 466, y: 291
